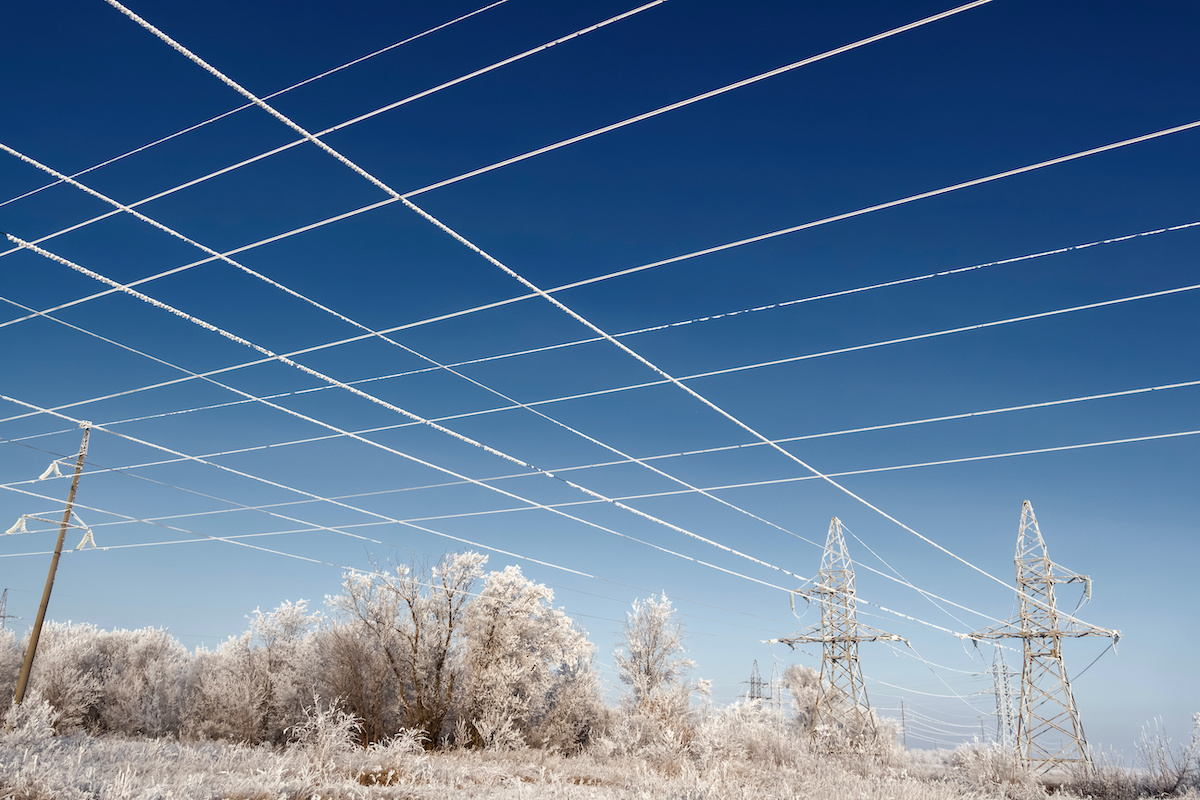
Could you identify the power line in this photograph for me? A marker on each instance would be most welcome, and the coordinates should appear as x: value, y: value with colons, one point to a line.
x: 244, y: 106
x: 691, y: 100
x: 695, y: 376
x: 667, y: 378
x: 292, y: 144
x: 356, y: 324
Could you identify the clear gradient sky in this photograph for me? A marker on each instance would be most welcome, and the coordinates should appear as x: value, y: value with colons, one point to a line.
x: 996, y: 87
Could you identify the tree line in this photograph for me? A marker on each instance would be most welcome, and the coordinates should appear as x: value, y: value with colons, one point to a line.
x: 458, y: 655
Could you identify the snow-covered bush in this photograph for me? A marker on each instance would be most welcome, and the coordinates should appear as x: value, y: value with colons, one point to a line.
x: 353, y: 668
x: 142, y: 682
x: 283, y: 643
x: 750, y: 733
x: 326, y: 735
x: 993, y: 767
x: 68, y: 672
x: 227, y: 693
x: 31, y: 724
x: 10, y: 667
x: 651, y: 661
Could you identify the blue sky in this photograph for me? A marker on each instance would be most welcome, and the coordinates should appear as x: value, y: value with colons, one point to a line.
x: 990, y: 89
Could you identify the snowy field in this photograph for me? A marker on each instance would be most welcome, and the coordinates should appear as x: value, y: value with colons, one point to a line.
x: 740, y: 752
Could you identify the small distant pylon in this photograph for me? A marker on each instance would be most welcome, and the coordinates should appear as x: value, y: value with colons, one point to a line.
x: 1049, y: 732
x: 4, y: 615
x: 842, y: 697
x: 756, y: 684
x: 1006, y: 714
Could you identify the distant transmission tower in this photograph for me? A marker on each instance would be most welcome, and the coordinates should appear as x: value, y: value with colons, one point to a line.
x: 756, y: 684
x: 842, y: 697
x: 1006, y: 713
x: 4, y: 615
x: 1049, y: 733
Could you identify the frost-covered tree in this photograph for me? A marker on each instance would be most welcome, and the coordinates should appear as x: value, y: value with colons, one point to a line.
x: 285, y: 646
x: 253, y: 687
x: 803, y: 684
x: 526, y: 668
x: 414, y: 618
x: 354, y: 669
x: 652, y: 661
x: 656, y: 720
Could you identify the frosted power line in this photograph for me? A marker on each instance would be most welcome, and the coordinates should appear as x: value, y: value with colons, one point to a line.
x: 314, y: 527
x: 713, y: 406
x: 410, y: 458
x: 233, y: 337
x: 457, y: 364
x: 314, y: 373
x: 574, y: 315
x: 407, y: 349
x: 290, y: 145
x: 691, y: 100
x: 716, y: 544
x: 810, y: 298
x: 244, y: 106
x: 505, y: 62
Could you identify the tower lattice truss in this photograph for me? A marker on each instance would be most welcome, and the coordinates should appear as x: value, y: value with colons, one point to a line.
x: 1049, y: 732
x: 842, y: 706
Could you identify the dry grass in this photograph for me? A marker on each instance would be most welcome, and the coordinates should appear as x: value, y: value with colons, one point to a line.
x: 733, y: 762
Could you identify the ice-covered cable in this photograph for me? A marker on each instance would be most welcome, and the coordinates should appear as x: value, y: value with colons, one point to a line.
x: 285, y: 90
x: 436, y: 364
x: 507, y: 270
x: 307, y: 494
x: 697, y: 98
x: 697, y: 396
x: 490, y: 487
x: 297, y: 142
x: 494, y: 66
x: 310, y: 137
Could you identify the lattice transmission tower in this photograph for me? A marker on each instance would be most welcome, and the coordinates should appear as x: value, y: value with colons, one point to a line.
x: 841, y: 704
x: 1049, y: 732
x: 756, y: 686
x: 1006, y: 712
x: 4, y: 615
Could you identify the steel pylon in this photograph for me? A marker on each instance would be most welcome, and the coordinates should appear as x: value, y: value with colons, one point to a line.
x: 1006, y: 712
x: 1049, y: 731
x: 842, y: 704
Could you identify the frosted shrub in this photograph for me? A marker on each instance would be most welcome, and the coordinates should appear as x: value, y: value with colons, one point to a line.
x: 30, y: 724
x: 1169, y: 771
x: 992, y: 767
x: 68, y: 672
x: 414, y: 618
x: 142, y: 682
x: 495, y: 731
x: 10, y: 666
x: 747, y: 732
x: 327, y: 734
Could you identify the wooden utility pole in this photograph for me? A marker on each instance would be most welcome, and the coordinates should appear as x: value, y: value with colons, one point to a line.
x: 62, y: 535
